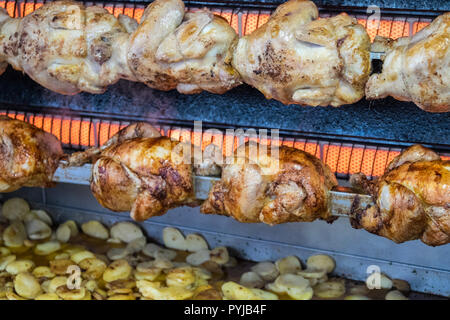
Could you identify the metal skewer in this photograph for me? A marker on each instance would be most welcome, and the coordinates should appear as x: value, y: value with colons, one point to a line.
x: 342, y: 201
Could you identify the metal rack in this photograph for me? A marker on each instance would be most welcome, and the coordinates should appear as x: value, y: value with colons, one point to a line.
x: 344, y: 158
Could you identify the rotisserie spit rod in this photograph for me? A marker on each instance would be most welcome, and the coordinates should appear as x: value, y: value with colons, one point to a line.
x: 343, y: 201
x: 141, y: 172
x: 410, y: 201
x: 294, y: 58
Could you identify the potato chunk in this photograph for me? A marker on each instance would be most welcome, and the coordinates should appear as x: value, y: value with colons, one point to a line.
x: 234, y: 291
x: 321, y: 262
x: 95, y: 229
x: 156, y: 291
x: 15, y: 209
x: 26, y: 285
x: 126, y: 231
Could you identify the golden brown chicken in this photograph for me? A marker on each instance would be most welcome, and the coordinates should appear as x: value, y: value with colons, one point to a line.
x: 416, y: 68
x: 139, y: 176
x: 412, y: 199
x: 296, y: 58
x: 281, y: 185
x: 139, y: 171
x: 28, y: 155
x: 67, y: 47
x: 187, y: 51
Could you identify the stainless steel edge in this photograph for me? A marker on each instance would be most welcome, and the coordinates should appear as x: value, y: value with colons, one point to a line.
x: 353, y: 266
x: 341, y: 202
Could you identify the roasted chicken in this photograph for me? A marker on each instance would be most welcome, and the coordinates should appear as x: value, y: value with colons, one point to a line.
x: 67, y: 47
x: 412, y: 199
x: 281, y: 185
x: 187, y: 51
x: 28, y: 155
x: 296, y: 58
x: 416, y: 68
x: 139, y: 171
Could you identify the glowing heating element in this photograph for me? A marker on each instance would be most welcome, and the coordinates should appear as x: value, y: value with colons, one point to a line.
x: 343, y: 159
x: 243, y: 22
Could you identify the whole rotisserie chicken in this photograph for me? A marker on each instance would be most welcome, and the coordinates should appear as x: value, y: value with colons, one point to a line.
x: 416, y: 68
x: 281, y: 185
x: 139, y: 171
x: 296, y: 58
x: 67, y: 47
x: 412, y: 199
x: 187, y: 51
x: 28, y: 155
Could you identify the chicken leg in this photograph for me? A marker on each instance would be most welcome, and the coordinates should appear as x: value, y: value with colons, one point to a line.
x: 296, y: 58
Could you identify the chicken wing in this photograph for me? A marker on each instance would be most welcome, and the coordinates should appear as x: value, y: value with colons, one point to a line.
x: 296, y: 58
x: 416, y: 68
x: 187, y: 51
x: 277, y: 186
x: 67, y: 47
x: 412, y: 199
x: 28, y: 155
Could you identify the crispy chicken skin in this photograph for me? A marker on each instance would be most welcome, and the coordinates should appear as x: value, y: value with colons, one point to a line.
x: 139, y: 176
x: 187, y: 51
x: 412, y: 199
x: 416, y: 68
x: 28, y: 155
x: 297, y: 59
x: 139, y: 171
x: 67, y: 47
x: 258, y: 188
